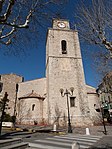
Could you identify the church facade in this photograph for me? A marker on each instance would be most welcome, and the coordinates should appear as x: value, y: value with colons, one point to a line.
x: 63, y: 91
x: 40, y: 100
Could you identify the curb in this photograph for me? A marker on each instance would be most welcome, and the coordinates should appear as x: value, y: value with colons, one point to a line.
x: 59, y: 133
x: 33, y: 130
x: 8, y: 128
x: 19, y: 129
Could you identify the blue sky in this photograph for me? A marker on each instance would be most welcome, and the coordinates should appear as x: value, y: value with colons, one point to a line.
x: 32, y: 64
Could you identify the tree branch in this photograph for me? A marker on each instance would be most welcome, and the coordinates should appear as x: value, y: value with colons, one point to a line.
x: 8, y: 34
x: 8, y: 11
x: 25, y: 25
x: 95, y: 23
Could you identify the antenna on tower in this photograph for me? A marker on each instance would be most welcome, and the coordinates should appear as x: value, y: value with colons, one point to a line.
x: 75, y: 27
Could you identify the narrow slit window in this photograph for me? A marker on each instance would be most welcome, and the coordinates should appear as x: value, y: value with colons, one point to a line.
x: 33, y: 107
x: 1, y: 86
x: 64, y: 47
x: 17, y: 87
x: 72, y: 101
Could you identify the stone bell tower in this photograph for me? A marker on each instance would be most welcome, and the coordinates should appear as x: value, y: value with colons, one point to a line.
x: 64, y: 69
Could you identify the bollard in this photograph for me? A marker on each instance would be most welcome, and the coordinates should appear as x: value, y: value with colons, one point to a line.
x: 54, y: 127
x: 75, y: 145
x: 87, y: 131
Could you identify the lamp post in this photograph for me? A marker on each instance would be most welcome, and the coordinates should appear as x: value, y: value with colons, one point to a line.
x: 103, y: 122
x: 15, y: 100
x: 67, y: 93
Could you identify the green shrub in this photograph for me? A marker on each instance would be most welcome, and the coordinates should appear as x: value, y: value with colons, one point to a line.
x: 7, y: 118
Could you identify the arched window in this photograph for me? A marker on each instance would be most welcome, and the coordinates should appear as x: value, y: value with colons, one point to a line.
x: 33, y: 106
x: 64, y: 47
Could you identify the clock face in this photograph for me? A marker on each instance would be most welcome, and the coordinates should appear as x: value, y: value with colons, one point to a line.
x: 61, y: 24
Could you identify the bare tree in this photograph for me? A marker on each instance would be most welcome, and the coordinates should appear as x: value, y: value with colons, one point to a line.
x: 106, y: 85
x: 94, y: 22
x: 17, y: 16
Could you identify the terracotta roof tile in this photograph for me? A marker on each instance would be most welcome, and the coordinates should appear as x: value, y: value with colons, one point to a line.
x: 32, y: 95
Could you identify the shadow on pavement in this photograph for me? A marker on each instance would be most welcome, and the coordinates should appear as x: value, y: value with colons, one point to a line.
x: 102, y: 147
x: 10, y: 134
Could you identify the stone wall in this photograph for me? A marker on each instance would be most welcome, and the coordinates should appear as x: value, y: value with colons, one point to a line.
x: 93, y: 99
x: 39, y: 87
x: 65, y: 71
x: 9, y: 85
x: 27, y: 114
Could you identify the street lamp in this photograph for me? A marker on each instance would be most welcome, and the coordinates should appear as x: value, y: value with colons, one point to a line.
x: 15, y: 100
x: 63, y: 94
